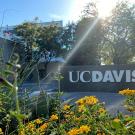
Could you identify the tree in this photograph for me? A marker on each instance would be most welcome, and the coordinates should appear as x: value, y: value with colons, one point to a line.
x: 87, y: 53
x: 39, y: 41
x: 68, y: 37
x: 28, y: 33
x: 49, y: 44
x: 119, y: 42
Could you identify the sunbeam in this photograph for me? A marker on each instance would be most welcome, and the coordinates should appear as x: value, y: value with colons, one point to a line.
x: 80, y: 43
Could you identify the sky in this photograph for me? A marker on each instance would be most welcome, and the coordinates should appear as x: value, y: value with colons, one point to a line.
x: 18, y: 11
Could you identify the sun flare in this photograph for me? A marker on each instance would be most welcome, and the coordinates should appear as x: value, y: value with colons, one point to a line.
x: 105, y: 7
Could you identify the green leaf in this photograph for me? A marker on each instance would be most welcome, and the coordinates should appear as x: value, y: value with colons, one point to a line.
x: 116, y: 125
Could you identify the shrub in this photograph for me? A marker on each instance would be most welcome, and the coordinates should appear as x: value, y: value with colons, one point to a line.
x: 130, y: 99
x: 86, y: 116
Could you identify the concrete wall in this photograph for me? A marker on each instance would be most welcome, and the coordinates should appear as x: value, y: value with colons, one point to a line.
x: 51, y: 68
x: 109, y: 78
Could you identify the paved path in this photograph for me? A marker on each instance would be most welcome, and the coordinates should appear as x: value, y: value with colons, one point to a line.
x: 113, y: 101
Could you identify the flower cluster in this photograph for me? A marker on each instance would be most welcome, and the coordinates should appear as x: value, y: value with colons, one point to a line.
x: 38, y: 126
x: 116, y: 120
x: 84, y: 129
x: 43, y: 128
x: 38, y: 121
x: 129, y: 103
x: 127, y: 92
x: 87, y: 100
x: 54, y: 117
x: 66, y: 107
x: 86, y: 117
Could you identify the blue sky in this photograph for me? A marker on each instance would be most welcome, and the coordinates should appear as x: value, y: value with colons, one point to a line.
x: 17, y: 11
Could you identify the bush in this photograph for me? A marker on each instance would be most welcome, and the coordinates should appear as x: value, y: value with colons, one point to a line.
x: 86, y: 116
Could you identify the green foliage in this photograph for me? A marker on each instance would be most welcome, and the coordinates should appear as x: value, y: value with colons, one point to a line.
x: 118, y: 45
x: 87, y: 116
x: 18, y: 107
x: 48, y: 114
x: 39, y: 40
x: 109, y: 40
x: 43, y: 105
x: 68, y: 36
x: 8, y: 93
x: 28, y: 33
x: 88, y: 36
x: 130, y: 99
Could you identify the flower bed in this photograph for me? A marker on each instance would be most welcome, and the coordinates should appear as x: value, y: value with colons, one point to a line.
x: 86, y: 117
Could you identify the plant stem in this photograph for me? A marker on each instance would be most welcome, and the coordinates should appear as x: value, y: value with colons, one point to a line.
x: 17, y: 100
x: 59, y: 96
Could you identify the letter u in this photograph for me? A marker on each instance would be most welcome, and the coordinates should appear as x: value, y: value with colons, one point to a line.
x: 71, y: 76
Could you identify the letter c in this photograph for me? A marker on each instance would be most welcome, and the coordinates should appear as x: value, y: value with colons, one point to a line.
x: 82, y: 76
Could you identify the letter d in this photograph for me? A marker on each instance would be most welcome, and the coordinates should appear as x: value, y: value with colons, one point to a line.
x: 97, y: 76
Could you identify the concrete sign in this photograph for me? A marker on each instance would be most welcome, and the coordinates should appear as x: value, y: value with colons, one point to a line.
x: 98, y: 78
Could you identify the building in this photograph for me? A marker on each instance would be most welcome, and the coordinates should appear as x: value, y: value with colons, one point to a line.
x: 57, y: 23
x: 8, y: 31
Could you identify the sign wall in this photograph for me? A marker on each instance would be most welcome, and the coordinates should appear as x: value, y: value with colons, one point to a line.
x: 98, y: 78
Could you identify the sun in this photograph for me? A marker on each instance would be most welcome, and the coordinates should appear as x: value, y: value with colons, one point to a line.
x: 105, y: 7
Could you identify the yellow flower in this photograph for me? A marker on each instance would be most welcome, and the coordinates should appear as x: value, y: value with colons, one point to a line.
x: 66, y: 107
x: 91, y: 100
x: 80, y: 101
x: 101, y: 110
x: 127, y: 92
x: 54, y: 117
x: 43, y: 127
x: 31, y: 127
x: 116, y: 120
x: 84, y: 129
x: 22, y: 132
x: 1, y: 133
x: 81, y: 108
x: 73, y: 131
x: 38, y: 121
x: 88, y: 100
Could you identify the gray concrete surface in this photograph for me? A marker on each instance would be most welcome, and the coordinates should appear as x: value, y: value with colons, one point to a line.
x: 113, y: 101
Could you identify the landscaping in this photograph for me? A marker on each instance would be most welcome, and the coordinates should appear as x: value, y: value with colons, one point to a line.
x: 68, y: 76
x: 52, y: 116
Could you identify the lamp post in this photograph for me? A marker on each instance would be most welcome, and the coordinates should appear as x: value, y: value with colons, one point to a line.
x: 3, y: 16
x: 1, y: 25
